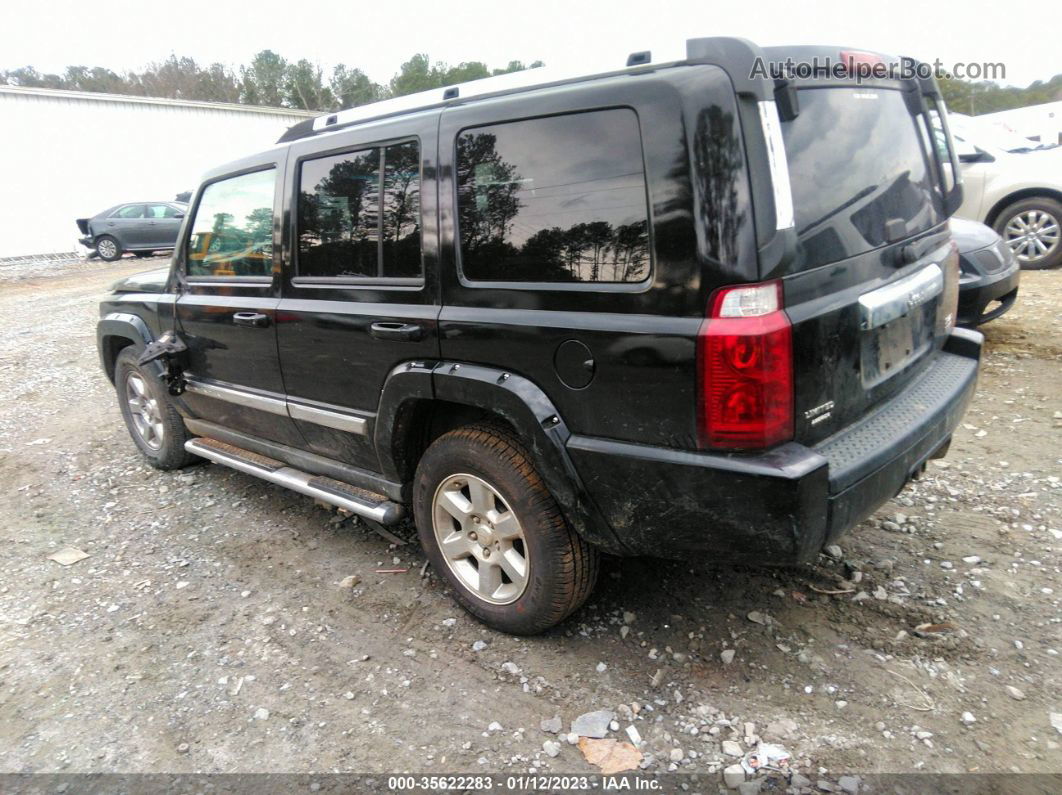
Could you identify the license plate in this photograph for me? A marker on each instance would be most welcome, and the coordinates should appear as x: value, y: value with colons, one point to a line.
x: 897, y: 323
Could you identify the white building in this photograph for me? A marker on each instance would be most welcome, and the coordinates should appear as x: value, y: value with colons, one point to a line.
x: 1041, y: 123
x: 71, y: 154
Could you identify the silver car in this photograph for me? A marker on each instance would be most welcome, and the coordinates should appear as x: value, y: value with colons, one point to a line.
x: 138, y: 227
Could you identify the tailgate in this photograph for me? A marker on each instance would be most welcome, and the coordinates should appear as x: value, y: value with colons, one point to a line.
x: 871, y: 291
x: 860, y: 337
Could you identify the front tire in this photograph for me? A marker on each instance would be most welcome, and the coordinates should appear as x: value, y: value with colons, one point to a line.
x: 108, y: 248
x: 152, y: 421
x: 493, y: 531
x: 1033, y: 230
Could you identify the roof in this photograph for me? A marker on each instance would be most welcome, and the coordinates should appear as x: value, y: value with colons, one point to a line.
x: 733, y: 52
x: 131, y: 99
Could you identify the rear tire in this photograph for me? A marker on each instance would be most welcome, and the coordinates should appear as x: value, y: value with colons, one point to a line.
x: 1029, y: 226
x: 512, y: 560
x: 157, y: 429
x: 108, y: 248
x: 142, y: 254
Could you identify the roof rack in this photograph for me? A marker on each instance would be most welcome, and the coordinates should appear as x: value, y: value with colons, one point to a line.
x: 715, y: 49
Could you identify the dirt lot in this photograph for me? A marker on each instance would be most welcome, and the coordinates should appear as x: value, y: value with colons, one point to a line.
x: 208, y: 631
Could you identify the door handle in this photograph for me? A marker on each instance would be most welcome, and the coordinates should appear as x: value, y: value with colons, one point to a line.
x: 403, y: 332
x: 256, y: 319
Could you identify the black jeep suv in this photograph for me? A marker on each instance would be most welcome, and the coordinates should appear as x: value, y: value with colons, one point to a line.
x: 681, y: 308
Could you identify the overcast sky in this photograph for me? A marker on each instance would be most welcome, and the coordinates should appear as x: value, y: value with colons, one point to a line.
x: 568, y: 34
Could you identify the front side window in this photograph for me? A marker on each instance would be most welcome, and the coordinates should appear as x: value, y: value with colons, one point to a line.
x: 232, y: 233
x: 557, y: 199
x: 359, y: 214
x: 130, y: 211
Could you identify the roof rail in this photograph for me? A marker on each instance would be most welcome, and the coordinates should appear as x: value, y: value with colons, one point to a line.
x: 710, y: 49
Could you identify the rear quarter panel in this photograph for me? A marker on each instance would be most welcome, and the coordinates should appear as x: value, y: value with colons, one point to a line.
x: 641, y: 338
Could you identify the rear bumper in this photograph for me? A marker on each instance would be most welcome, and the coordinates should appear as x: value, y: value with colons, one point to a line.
x: 976, y: 295
x: 781, y: 506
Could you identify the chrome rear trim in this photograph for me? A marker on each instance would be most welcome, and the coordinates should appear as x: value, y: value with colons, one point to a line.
x: 897, y: 299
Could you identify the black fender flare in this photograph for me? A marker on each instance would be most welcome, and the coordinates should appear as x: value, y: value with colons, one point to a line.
x: 124, y: 326
x: 518, y: 401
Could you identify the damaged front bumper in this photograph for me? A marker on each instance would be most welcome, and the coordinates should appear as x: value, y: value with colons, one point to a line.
x: 781, y: 506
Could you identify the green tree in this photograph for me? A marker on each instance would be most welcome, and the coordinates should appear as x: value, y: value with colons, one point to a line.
x: 304, y: 87
x: 352, y: 87
x: 96, y: 78
x: 262, y: 82
x: 517, y: 66
x: 268, y: 80
x: 463, y: 72
x: 974, y: 98
x: 29, y: 77
x: 416, y: 74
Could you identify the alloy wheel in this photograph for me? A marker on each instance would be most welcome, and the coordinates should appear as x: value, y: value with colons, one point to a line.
x: 1032, y: 235
x: 106, y: 248
x: 481, y: 539
x: 144, y: 409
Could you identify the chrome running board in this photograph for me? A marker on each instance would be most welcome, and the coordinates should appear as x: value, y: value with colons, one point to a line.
x: 342, y: 495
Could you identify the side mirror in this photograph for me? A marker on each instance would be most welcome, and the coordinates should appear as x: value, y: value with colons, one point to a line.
x: 977, y: 156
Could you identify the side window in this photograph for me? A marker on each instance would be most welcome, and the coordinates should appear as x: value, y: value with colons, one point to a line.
x: 130, y: 211
x: 401, y: 210
x: 160, y: 211
x: 359, y: 214
x: 232, y: 233
x: 557, y: 199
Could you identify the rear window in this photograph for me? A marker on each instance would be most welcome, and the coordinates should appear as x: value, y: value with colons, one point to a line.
x: 859, y: 173
x: 556, y: 199
x: 359, y: 214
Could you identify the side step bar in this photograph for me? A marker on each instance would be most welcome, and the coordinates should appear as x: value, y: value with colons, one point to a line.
x: 342, y: 495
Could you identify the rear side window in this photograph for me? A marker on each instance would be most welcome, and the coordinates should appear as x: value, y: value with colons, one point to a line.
x: 359, y: 214
x: 557, y: 199
x: 232, y: 233
x: 161, y: 211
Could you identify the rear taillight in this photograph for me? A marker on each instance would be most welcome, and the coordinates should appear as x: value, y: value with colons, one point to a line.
x: 745, y: 369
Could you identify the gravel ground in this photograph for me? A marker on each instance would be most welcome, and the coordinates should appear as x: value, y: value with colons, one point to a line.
x: 210, y: 628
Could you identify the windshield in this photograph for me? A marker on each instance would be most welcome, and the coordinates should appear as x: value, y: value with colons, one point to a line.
x: 859, y: 173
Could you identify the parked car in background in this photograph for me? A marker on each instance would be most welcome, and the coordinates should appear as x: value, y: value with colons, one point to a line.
x: 137, y: 227
x: 988, y: 273
x: 1013, y: 185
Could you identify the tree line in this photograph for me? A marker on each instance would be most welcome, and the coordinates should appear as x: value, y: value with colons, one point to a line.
x: 269, y: 79
x: 975, y: 98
